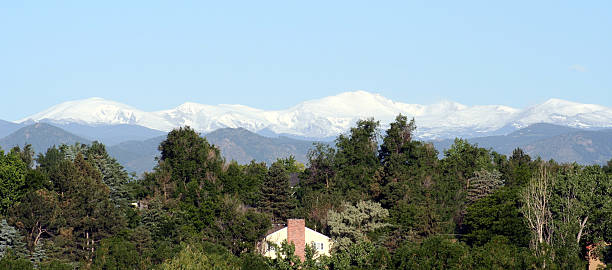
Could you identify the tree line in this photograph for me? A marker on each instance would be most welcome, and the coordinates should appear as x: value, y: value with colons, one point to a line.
x: 387, y: 200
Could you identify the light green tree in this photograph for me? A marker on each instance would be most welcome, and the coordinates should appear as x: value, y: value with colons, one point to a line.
x: 194, y: 258
x: 354, y: 222
x: 10, y: 239
x: 12, y: 180
x: 483, y: 183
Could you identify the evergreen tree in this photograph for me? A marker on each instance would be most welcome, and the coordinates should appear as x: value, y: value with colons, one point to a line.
x: 10, y: 240
x: 520, y: 169
x: 276, y: 198
x: 482, y: 184
x: 254, y: 177
x: 37, y: 216
x: 114, y: 175
x: 354, y: 222
x: 238, y: 227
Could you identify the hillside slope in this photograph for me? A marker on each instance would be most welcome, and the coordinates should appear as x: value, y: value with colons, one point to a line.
x: 41, y: 136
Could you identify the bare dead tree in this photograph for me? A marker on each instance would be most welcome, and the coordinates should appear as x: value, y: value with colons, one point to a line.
x: 536, y: 210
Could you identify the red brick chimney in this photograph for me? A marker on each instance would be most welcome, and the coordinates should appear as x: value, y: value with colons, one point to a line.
x: 296, y: 234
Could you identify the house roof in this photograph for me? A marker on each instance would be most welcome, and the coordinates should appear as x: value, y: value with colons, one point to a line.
x: 317, y: 232
x: 274, y: 230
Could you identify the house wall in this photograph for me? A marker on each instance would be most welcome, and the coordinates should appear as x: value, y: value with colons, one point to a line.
x: 313, y: 236
x: 277, y: 238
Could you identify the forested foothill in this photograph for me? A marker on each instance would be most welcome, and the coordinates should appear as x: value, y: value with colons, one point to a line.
x: 387, y: 200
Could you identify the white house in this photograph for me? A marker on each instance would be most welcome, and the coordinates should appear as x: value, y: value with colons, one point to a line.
x: 297, y: 233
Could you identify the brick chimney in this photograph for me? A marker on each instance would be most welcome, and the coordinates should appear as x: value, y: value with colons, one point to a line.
x: 296, y: 234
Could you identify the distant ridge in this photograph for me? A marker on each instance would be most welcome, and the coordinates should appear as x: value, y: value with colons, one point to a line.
x: 41, y: 136
x: 7, y: 128
x: 110, y: 134
x: 563, y: 144
x: 236, y: 144
x: 243, y: 146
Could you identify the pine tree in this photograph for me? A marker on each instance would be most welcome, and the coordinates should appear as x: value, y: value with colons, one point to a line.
x: 354, y: 222
x: 482, y: 184
x: 10, y: 239
x: 275, y: 192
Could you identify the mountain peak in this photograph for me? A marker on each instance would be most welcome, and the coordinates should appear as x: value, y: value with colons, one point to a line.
x: 558, y: 102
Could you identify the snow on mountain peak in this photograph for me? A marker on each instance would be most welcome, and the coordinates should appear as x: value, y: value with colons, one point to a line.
x: 97, y: 111
x: 329, y: 116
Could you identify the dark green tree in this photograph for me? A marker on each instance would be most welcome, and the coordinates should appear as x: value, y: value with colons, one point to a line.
x: 276, y: 198
x: 608, y: 167
x: 496, y: 215
x: 398, y: 138
x: 500, y: 254
x: 114, y: 176
x: 26, y: 154
x: 321, y: 171
x: 254, y: 177
x: 37, y: 216
x: 436, y: 252
x: 116, y: 253
x: 87, y: 214
x: 191, y: 157
x: 239, y: 227
x: 520, y: 169
x: 357, y: 160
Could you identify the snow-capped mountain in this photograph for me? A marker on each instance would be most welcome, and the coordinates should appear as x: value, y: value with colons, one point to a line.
x: 99, y: 111
x: 332, y: 115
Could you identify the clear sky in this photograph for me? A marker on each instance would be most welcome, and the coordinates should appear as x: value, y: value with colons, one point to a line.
x: 273, y: 54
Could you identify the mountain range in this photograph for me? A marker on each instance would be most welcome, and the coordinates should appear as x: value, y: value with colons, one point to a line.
x: 562, y: 130
x: 327, y: 117
x: 139, y: 156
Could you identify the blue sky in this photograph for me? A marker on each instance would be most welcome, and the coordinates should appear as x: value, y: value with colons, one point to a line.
x: 273, y: 54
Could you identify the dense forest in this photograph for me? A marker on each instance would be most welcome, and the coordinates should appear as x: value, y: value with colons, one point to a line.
x: 387, y: 201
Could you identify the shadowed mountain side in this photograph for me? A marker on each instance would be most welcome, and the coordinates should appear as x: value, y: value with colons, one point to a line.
x: 563, y: 144
x: 111, y: 134
x: 507, y: 143
x: 584, y: 147
x: 137, y: 156
x: 41, y: 136
x: 243, y: 146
